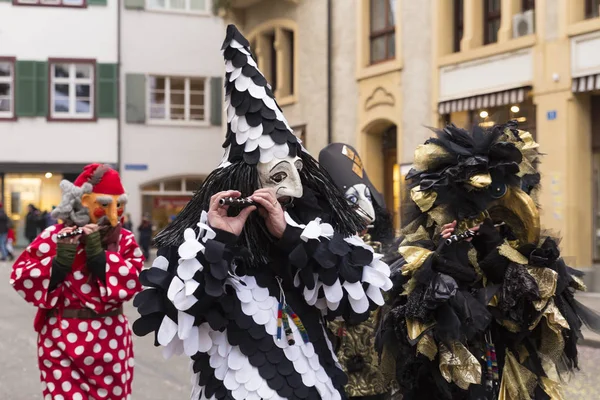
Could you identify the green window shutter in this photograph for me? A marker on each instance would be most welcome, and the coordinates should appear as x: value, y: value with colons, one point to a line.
x: 97, y: 2
x: 216, y: 100
x: 107, y: 89
x: 25, y: 94
x: 135, y: 97
x: 134, y: 4
x: 41, y: 73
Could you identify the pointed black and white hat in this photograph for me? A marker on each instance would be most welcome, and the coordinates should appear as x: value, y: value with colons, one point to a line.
x: 257, y: 131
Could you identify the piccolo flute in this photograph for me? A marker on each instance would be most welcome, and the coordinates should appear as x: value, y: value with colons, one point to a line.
x: 237, y: 202
x: 65, y: 235
x: 465, y: 235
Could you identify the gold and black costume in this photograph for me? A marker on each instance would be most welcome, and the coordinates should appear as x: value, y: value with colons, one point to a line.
x: 493, y: 316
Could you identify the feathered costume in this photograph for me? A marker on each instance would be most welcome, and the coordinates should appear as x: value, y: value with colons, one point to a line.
x: 250, y: 310
x: 494, y: 318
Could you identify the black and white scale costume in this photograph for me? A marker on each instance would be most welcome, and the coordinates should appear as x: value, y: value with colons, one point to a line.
x: 203, y: 300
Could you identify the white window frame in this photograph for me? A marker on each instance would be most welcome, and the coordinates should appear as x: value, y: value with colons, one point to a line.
x: 72, y: 81
x: 11, y: 81
x: 167, y: 104
x: 50, y: 3
x: 150, y: 5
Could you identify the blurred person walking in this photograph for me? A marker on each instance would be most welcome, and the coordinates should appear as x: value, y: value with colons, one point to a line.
x: 127, y: 224
x: 32, y: 223
x: 79, y: 273
x: 145, y: 231
x: 4, y: 228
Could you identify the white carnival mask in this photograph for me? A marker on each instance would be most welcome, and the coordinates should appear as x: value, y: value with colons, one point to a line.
x: 282, y: 174
x: 359, y: 197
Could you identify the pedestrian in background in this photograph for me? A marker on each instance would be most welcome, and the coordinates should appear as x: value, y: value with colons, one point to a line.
x: 127, y: 224
x: 4, y: 227
x: 50, y: 220
x: 32, y: 223
x: 145, y: 237
x: 11, y: 240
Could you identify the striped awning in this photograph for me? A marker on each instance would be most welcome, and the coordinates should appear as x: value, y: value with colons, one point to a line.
x: 497, y: 99
x: 586, y: 83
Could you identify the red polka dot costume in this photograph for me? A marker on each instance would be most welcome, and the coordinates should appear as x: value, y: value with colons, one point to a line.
x: 85, y: 349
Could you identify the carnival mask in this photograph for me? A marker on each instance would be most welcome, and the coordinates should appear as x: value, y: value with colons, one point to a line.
x: 283, y: 175
x: 104, y: 205
x: 359, y: 197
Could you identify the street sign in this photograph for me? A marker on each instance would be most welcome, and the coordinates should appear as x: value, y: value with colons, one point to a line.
x: 136, y: 167
x: 551, y: 115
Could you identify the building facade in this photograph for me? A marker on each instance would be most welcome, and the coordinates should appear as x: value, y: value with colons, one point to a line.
x: 128, y: 83
x: 344, y: 63
x: 536, y: 62
x: 171, y: 80
x: 58, y: 97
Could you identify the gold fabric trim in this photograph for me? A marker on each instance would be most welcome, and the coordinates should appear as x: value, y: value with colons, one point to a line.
x: 579, y: 283
x: 458, y: 365
x: 415, y: 257
x: 480, y: 181
x: 427, y: 347
x: 546, y: 281
x: 426, y: 156
x: 518, y: 383
x: 439, y: 215
x: 512, y: 254
x: 416, y: 328
x: 420, y: 234
x: 423, y: 199
x: 552, y: 388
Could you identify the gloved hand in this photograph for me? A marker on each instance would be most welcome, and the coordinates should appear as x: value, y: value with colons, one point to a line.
x: 488, y: 238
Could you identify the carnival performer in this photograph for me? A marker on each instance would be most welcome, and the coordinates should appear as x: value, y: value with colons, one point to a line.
x: 368, y: 375
x: 79, y: 273
x: 483, y: 305
x: 265, y: 250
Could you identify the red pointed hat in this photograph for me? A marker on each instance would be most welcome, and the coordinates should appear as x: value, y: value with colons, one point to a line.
x: 103, y: 179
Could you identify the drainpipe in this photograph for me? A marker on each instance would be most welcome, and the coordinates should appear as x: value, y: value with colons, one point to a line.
x: 329, y: 73
x: 119, y: 101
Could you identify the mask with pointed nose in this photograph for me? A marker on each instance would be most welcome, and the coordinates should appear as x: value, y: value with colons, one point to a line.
x: 283, y: 175
x: 104, y: 205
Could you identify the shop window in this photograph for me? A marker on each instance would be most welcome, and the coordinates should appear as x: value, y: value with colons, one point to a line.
x: 51, y: 3
x: 458, y: 24
x: 491, y: 20
x: 382, y: 30
x: 592, y: 8
x: 274, y: 47
x: 7, y: 88
x: 72, y: 89
x: 177, y: 99
x: 527, y: 5
x: 524, y: 113
x: 183, y: 6
x: 172, y: 185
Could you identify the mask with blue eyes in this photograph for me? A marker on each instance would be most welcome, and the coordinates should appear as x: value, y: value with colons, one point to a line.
x: 359, y: 197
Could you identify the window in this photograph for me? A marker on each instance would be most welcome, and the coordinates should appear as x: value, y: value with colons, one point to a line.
x: 592, y: 8
x: 189, y: 6
x: 274, y: 48
x: 72, y: 89
x: 52, y: 3
x: 7, y: 88
x: 382, y: 30
x: 458, y: 24
x: 491, y: 21
x: 177, y: 99
x: 528, y: 5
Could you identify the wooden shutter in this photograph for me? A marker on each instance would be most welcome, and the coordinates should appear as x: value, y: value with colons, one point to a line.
x: 216, y: 100
x: 41, y: 101
x: 134, y: 4
x: 107, y: 90
x: 97, y: 2
x: 135, y: 97
x: 25, y: 94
